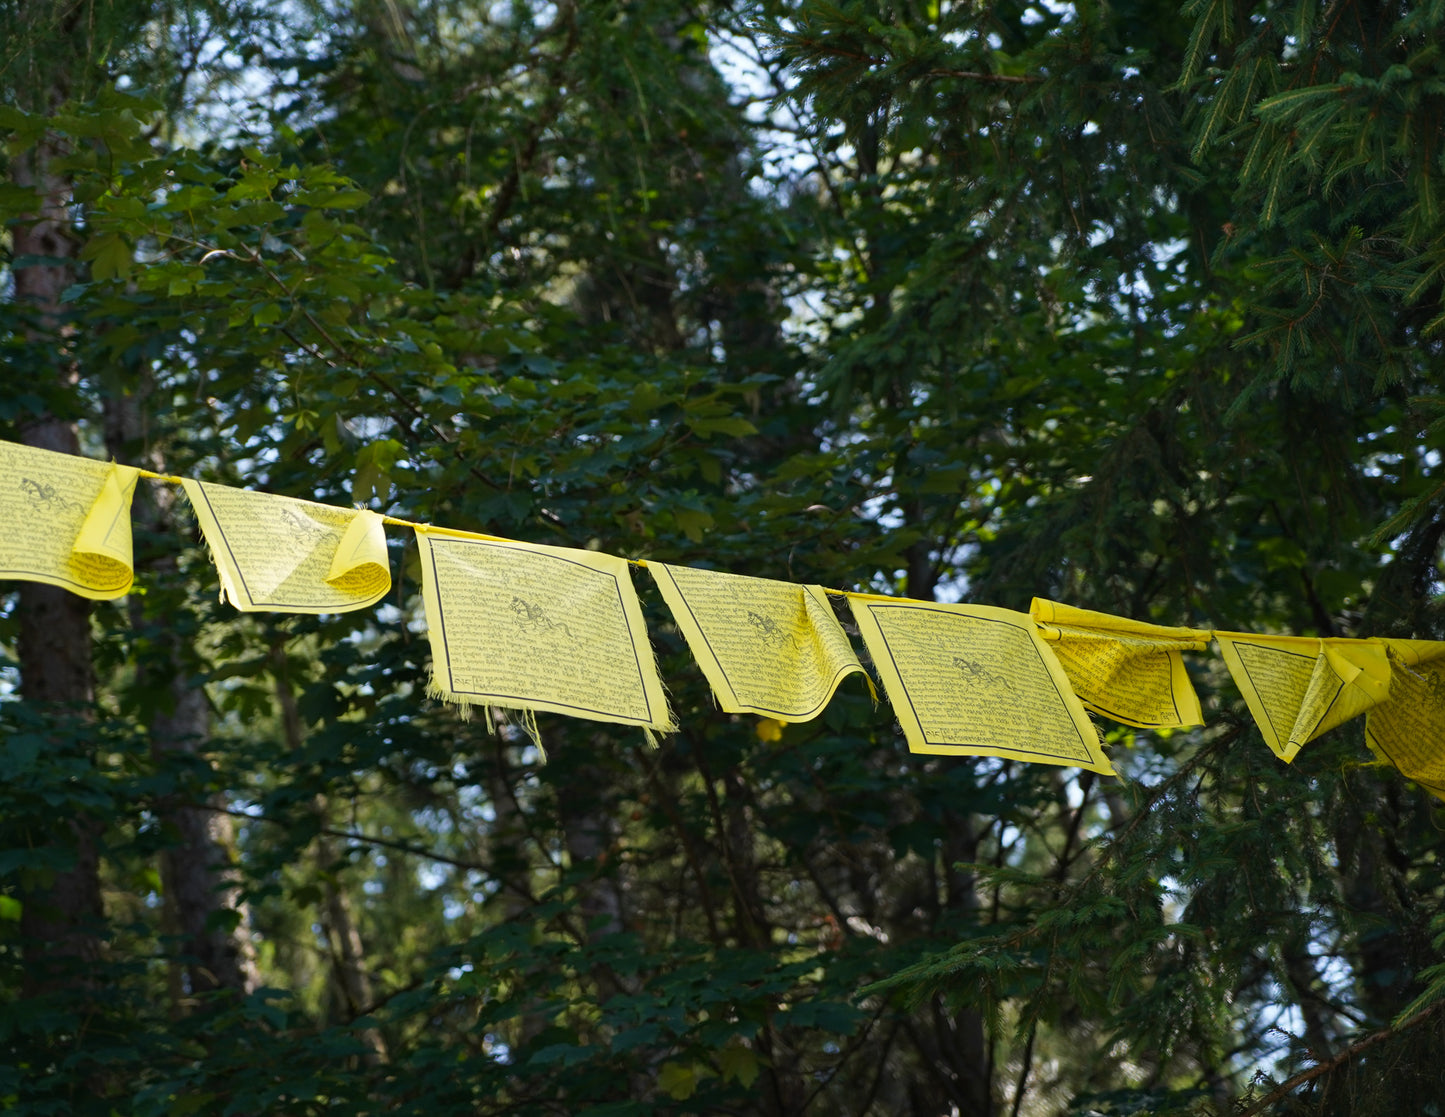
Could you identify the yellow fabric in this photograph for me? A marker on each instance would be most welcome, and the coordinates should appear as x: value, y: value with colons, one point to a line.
x: 1408, y: 728
x: 767, y: 647
x: 529, y: 627
x: 66, y: 521
x: 1299, y: 687
x: 1127, y: 670
x: 975, y: 680
x: 275, y: 553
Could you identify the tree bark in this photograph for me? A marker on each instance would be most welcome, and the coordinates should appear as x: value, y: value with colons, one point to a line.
x: 348, y: 955
x: 507, y: 844
x: 590, y: 835
x: 955, y: 1042
x: 61, y: 925
x: 201, y: 896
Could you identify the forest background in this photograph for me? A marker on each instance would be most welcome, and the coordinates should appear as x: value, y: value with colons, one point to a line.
x: 1127, y: 306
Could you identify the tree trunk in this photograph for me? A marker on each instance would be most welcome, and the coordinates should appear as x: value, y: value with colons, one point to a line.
x: 954, y: 1041
x: 1390, y: 940
x: 589, y: 834
x: 61, y: 925
x: 201, y: 896
x: 343, y: 939
x: 506, y: 850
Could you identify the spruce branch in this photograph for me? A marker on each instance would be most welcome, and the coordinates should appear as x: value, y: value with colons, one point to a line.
x: 975, y: 75
x: 1345, y: 1056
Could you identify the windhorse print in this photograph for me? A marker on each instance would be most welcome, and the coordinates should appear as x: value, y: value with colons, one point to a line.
x: 533, y: 618
x: 46, y: 497
x: 976, y: 672
x: 770, y: 632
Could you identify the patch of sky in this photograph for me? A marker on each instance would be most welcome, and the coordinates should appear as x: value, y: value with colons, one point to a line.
x: 432, y: 876
x: 233, y: 84
x: 1066, y: 12
x: 762, y: 91
x: 475, y: 805
x: 953, y: 589
x: 882, y: 511
x: 433, y: 820
x: 497, y: 1048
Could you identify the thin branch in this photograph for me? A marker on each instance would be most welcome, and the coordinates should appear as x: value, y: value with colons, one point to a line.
x: 511, y: 184
x: 975, y: 75
x: 1344, y: 1056
x: 255, y: 258
x: 353, y: 836
x: 1023, y: 1083
x: 1086, y: 785
x: 825, y: 1077
x: 880, y: 1054
x: 693, y: 862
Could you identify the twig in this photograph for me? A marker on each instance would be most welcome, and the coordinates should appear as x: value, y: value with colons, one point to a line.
x: 854, y: 1045
x: 1023, y: 1083
x: 353, y: 836
x: 1343, y: 1057
x: 975, y: 75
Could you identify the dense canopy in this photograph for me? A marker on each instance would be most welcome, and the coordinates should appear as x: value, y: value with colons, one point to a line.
x: 1129, y: 308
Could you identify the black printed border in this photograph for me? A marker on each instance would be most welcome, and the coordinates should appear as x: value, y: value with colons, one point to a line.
x: 1170, y: 657
x: 1090, y: 757
x: 343, y: 605
x: 537, y: 700
x: 45, y: 577
x: 1274, y: 649
x: 748, y: 707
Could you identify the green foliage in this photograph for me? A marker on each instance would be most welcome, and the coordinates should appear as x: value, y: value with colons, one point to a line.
x: 1089, y: 302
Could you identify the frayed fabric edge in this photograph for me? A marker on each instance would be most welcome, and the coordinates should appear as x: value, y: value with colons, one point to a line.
x: 520, y: 717
x: 226, y: 595
x: 524, y: 718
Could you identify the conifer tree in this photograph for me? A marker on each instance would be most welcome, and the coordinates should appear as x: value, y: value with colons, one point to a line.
x: 1089, y: 302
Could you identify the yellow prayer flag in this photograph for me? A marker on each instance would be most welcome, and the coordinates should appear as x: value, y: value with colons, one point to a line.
x: 276, y: 553
x: 1127, y: 670
x: 976, y: 680
x: 767, y: 647
x: 1299, y: 687
x: 1408, y: 728
x: 528, y: 627
x: 76, y: 517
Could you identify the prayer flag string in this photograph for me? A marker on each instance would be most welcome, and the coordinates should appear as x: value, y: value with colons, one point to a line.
x: 525, y: 627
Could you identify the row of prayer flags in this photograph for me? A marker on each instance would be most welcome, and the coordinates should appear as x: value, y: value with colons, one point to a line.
x: 528, y: 627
